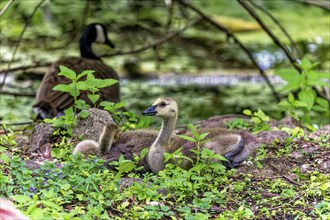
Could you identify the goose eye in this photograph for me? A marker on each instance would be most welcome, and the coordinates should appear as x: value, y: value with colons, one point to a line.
x: 163, y: 104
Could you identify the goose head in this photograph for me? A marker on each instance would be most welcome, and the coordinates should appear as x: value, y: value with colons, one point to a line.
x: 94, y: 32
x: 164, y: 108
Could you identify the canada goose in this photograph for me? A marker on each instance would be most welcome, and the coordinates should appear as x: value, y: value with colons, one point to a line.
x: 50, y: 103
x: 131, y: 143
x: 235, y: 146
x: 110, y: 134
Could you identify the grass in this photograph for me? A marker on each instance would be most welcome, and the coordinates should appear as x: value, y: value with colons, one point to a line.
x: 75, y: 188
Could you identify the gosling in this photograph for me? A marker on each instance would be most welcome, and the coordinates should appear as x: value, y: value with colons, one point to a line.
x: 110, y: 134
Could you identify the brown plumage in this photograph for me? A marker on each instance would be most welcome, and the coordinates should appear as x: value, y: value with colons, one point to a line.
x: 110, y: 134
x: 50, y: 103
x: 235, y: 146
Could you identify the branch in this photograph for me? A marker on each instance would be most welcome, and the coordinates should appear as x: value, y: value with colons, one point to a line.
x: 269, y: 32
x: 22, y: 68
x: 6, y: 7
x: 294, y: 45
x: 156, y: 43
x: 237, y: 41
x: 28, y: 21
x: 324, y: 5
x: 17, y: 94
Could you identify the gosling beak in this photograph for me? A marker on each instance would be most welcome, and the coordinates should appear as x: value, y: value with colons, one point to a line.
x: 108, y: 42
x: 151, y: 111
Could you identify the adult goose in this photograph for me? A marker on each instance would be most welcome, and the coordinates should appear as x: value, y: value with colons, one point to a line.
x: 236, y: 146
x: 50, y: 103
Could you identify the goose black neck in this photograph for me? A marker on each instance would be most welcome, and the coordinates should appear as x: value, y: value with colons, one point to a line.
x: 86, y: 40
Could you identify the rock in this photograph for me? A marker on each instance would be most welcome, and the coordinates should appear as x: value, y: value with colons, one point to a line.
x: 41, y: 135
x: 297, y: 154
x: 289, y: 122
x: 89, y: 128
x: 220, y: 121
x: 21, y: 141
x: 268, y: 137
x: 92, y: 126
x: 325, y: 130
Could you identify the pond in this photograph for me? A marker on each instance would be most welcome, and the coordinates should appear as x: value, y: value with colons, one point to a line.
x: 199, y: 96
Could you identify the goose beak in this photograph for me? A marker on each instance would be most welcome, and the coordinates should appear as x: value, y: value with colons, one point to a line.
x: 108, y: 42
x: 151, y: 111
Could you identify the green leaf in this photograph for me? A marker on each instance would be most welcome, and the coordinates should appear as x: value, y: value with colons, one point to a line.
x: 50, y: 204
x: 256, y: 120
x: 106, y: 82
x: 93, y: 97
x: 126, y: 166
x: 37, y: 213
x: 5, y: 158
x: 82, y: 105
x: 317, y: 78
x: 308, y: 97
x: 290, y: 97
x: 84, y: 73
x: 144, y: 152
x: 187, y: 138
x: 284, y: 104
x: 219, y: 157
x: 120, y: 105
x: 21, y: 198
x: 65, y: 186
x: 74, y: 92
x: 322, y: 102
x: 305, y: 64
x: 247, y: 112
x: 63, y: 88
x: 84, y: 114
x: 323, y: 105
x: 203, y: 136
x: 291, y: 76
x: 82, y: 85
x: 68, y: 73
x: 298, y: 103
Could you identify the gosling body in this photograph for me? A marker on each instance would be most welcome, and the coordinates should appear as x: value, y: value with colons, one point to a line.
x: 235, y: 146
x: 110, y: 134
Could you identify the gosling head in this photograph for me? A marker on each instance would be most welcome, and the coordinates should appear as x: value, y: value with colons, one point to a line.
x: 163, y: 107
x: 113, y: 129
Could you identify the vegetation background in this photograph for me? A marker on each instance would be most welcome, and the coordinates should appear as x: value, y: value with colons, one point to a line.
x: 169, y: 40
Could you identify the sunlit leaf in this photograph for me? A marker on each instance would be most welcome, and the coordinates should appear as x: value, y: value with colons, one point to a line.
x: 68, y: 73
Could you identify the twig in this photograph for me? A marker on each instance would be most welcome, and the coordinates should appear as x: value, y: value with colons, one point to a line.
x: 279, y: 172
x: 6, y: 7
x: 169, y: 16
x: 269, y: 32
x: 17, y: 94
x: 156, y: 43
x: 22, y: 68
x: 19, y: 123
x: 293, y: 43
x: 324, y: 5
x: 237, y: 41
x: 28, y: 21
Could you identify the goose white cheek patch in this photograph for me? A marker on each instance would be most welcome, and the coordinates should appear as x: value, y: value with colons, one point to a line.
x: 100, y: 37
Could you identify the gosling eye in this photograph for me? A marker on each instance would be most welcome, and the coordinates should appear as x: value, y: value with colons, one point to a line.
x: 162, y: 104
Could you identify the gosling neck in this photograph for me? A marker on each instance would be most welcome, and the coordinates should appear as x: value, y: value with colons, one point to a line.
x: 166, y: 131
x: 105, y: 142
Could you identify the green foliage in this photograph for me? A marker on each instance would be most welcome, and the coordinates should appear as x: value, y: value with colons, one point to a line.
x: 91, y: 84
x: 260, y: 121
x: 306, y: 102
